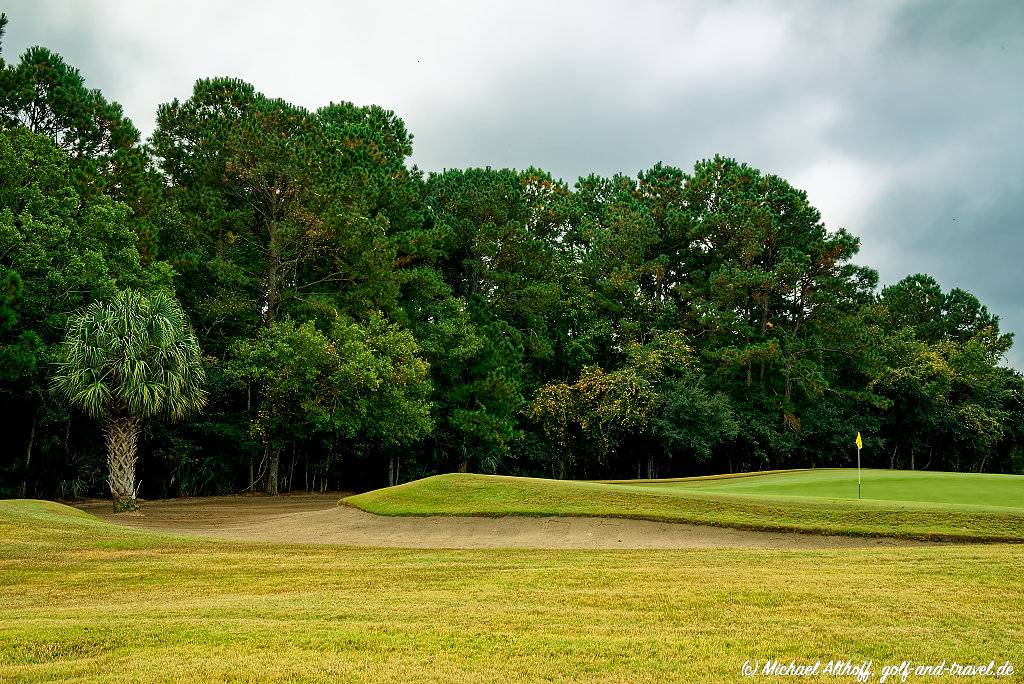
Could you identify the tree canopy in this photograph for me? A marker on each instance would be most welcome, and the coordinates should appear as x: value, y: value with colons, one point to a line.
x: 363, y: 322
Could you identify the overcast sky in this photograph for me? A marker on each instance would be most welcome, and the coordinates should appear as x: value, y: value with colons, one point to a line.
x: 904, y: 122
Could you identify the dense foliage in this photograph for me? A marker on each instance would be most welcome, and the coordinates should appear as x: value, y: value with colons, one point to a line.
x: 362, y: 322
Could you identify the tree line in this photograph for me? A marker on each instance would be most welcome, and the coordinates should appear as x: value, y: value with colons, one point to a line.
x: 320, y: 314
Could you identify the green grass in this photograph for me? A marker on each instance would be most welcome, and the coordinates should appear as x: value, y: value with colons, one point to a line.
x: 877, y: 485
x: 938, y: 506
x: 85, y: 601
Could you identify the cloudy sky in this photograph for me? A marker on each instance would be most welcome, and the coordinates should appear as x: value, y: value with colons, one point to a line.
x: 903, y: 121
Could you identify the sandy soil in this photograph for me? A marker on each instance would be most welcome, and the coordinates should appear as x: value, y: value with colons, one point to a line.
x: 318, y: 519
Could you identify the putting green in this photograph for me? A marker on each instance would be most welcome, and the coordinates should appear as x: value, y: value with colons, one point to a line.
x: 882, y: 485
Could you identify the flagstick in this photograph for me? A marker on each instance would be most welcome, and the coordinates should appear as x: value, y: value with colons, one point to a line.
x: 858, y: 472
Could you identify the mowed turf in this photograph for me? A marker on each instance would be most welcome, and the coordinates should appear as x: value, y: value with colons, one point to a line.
x: 82, y: 600
x: 984, y: 489
x: 916, y: 505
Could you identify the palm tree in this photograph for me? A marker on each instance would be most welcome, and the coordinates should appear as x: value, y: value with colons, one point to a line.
x: 126, y: 360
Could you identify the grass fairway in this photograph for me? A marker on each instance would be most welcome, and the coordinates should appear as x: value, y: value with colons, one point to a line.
x: 916, y: 505
x: 87, y: 601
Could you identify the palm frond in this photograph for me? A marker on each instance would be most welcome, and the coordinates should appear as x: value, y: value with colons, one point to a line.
x: 133, y: 352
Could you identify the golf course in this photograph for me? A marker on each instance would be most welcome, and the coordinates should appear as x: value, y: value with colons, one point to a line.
x: 212, y: 590
x: 511, y: 342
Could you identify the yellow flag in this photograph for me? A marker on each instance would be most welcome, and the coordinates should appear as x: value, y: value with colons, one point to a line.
x: 860, y: 444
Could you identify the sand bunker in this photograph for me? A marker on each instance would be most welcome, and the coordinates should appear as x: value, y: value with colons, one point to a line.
x: 318, y: 519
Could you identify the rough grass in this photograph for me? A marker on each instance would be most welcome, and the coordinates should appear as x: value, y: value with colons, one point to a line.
x: 85, y: 601
x: 731, y: 502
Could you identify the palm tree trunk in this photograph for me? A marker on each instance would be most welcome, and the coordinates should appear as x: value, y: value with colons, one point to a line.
x: 122, y: 448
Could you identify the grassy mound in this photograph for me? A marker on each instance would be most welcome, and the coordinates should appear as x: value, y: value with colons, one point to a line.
x: 96, y: 603
x: 54, y: 523
x: 730, y: 502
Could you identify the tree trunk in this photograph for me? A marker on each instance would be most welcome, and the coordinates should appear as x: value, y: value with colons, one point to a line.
x: 273, y: 275
x: 122, y: 449
x: 291, y: 469
x: 788, y: 392
x: 275, y: 462
x: 23, y: 489
x: 394, y: 464
x: 248, y: 412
